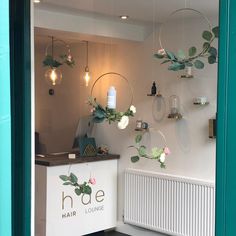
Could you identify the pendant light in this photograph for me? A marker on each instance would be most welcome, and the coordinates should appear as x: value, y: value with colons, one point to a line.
x: 53, y: 75
x: 86, y: 70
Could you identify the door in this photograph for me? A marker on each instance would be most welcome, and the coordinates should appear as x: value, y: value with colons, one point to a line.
x: 15, y: 120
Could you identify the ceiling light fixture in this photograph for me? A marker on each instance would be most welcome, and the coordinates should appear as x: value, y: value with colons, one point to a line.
x: 124, y: 17
x: 37, y: 1
x: 86, y: 70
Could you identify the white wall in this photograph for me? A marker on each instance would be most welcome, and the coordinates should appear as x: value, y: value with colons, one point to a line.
x: 193, y: 153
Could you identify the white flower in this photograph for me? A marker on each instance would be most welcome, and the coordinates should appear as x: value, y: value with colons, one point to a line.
x: 161, y: 52
x: 162, y: 157
x: 133, y: 109
x: 123, y: 122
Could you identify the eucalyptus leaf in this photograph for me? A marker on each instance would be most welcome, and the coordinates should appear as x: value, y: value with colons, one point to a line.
x: 87, y: 189
x: 78, y: 191
x: 206, y: 46
x: 171, y: 55
x: 134, y: 159
x: 215, y: 31
x: 213, y: 51
x: 207, y: 35
x: 199, y: 64
x: 181, y: 54
x: 98, y: 120
x: 73, y: 178
x: 138, y: 138
x: 67, y: 183
x: 142, y: 151
x: 156, y: 152
x: 192, y: 51
x: 176, y: 66
x: 189, y: 64
x: 64, y: 177
x: 211, y: 59
x: 158, y: 56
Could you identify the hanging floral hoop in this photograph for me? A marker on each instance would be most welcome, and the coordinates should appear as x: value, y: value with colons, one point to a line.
x: 156, y: 153
x: 179, y: 61
x: 66, y: 58
x: 101, y: 113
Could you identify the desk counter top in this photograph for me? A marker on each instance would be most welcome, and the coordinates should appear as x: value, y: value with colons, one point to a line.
x: 62, y: 159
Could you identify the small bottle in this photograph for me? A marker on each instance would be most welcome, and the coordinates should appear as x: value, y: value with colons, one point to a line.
x: 154, y: 89
x: 111, y: 98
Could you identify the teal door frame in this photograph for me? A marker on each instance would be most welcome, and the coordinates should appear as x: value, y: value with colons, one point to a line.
x: 15, y: 120
x: 226, y: 123
x: 5, y: 122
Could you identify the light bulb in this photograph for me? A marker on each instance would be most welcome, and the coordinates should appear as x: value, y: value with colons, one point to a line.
x: 86, y: 76
x: 53, y: 76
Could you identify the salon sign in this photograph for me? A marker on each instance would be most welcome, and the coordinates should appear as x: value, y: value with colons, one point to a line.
x: 65, y: 213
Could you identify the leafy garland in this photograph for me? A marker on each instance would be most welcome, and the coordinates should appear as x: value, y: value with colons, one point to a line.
x: 100, y: 114
x: 180, y: 61
x: 158, y: 154
x: 72, y: 180
x: 52, y: 63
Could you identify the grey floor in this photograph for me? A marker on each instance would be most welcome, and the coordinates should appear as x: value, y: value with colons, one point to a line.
x: 111, y: 233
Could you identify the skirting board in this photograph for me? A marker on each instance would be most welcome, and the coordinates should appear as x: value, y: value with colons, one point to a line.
x: 135, y: 231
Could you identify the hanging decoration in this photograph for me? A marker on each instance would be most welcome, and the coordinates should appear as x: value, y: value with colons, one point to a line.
x: 109, y: 113
x: 158, y: 154
x: 180, y: 61
x: 53, y: 74
x: 79, y: 189
x: 87, y: 77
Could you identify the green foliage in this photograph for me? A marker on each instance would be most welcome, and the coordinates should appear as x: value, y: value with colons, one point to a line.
x: 181, y: 54
x: 207, y: 35
x: 199, y: 64
x: 72, y: 180
x: 192, y: 51
x: 63, y: 177
x: 142, y: 151
x: 215, y: 30
x: 211, y: 59
x: 138, y: 138
x: 180, y: 62
x: 135, y: 159
x: 52, y: 63
x: 49, y: 61
x: 111, y: 115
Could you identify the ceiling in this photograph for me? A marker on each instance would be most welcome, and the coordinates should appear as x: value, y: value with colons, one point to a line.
x: 139, y: 11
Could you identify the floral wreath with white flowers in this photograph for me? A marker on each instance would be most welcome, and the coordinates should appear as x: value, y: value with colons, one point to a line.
x: 101, y: 113
x: 156, y: 153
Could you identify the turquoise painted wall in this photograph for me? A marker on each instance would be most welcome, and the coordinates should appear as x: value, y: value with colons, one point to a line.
x: 5, y: 122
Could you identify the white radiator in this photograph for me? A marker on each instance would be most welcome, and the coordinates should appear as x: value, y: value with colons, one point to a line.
x: 170, y: 204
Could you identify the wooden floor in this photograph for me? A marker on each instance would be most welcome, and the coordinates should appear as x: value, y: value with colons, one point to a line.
x: 110, y: 233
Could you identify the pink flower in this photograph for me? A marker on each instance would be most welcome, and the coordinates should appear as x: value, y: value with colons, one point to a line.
x: 167, y: 151
x: 161, y: 52
x: 92, y: 110
x: 92, y: 181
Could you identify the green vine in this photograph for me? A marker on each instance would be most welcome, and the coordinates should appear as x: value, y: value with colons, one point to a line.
x: 158, y: 154
x: 52, y: 63
x: 72, y: 180
x: 100, y: 113
x: 179, y: 61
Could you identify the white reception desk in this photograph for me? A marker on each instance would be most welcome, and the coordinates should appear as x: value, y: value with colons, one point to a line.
x: 59, y: 211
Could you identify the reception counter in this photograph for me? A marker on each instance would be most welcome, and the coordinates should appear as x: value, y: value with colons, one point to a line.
x: 59, y: 211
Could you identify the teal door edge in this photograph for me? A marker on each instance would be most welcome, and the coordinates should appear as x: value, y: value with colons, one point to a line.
x: 226, y: 123
x: 20, y: 62
x: 5, y: 122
